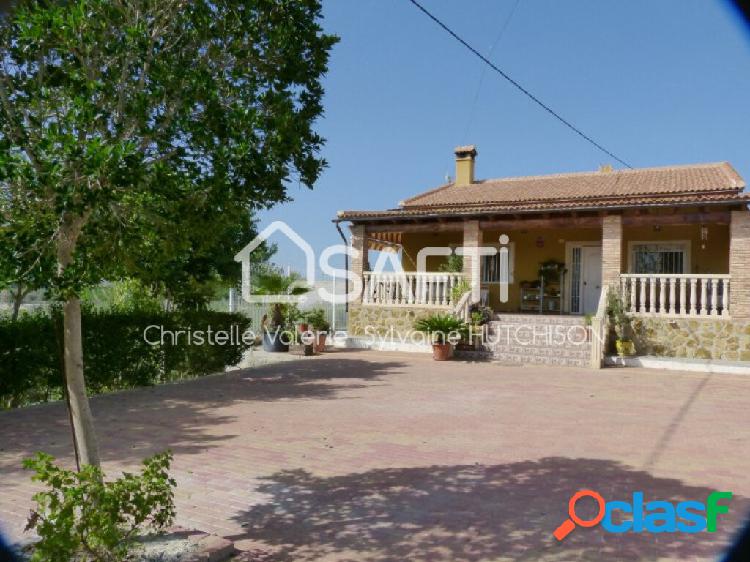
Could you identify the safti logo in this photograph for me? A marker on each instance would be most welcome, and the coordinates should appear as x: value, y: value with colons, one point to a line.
x: 654, y: 516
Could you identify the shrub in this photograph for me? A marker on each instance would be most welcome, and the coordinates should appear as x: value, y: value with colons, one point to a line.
x: 460, y: 289
x: 80, y: 516
x: 618, y: 317
x: 441, y: 327
x: 116, y: 356
x: 317, y: 319
x: 453, y: 264
x: 480, y: 314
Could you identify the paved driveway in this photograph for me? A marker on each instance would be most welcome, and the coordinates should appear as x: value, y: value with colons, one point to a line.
x: 375, y: 456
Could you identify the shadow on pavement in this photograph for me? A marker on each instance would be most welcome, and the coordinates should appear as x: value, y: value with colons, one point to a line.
x: 469, y: 513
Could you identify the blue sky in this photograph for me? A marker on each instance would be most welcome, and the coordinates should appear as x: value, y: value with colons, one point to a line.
x: 657, y: 83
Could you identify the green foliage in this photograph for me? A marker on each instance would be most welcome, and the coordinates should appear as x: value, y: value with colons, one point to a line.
x: 138, y: 138
x: 441, y: 327
x: 551, y: 270
x: 270, y: 281
x: 480, y: 314
x: 82, y: 517
x: 317, y: 319
x: 127, y: 295
x: 453, y: 264
x: 116, y: 354
x: 460, y: 289
x: 620, y: 319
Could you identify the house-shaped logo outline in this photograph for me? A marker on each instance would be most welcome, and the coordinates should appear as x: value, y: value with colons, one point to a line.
x: 243, y: 257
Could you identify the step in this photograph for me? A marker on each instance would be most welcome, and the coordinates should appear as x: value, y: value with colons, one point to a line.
x: 570, y: 352
x: 538, y: 360
x: 538, y: 319
x: 538, y: 336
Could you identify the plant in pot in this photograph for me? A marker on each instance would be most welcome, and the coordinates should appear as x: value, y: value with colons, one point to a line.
x: 273, y: 283
x: 441, y: 329
x: 480, y: 315
x: 320, y: 326
x: 621, y: 322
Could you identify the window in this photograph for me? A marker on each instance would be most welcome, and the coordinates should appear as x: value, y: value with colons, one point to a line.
x: 656, y: 257
x: 491, y: 266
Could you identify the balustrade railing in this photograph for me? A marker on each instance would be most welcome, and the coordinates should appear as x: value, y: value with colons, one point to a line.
x: 676, y: 294
x: 414, y: 288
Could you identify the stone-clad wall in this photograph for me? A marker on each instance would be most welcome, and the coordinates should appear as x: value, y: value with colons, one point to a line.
x: 692, y: 338
x: 382, y: 318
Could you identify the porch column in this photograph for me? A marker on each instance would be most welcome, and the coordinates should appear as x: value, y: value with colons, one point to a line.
x: 611, y: 251
x: 359, y: 261
x: 739, y: 265
x: 472, y: 242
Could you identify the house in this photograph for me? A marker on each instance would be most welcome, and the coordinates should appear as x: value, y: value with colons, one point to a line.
x: 674, y: 241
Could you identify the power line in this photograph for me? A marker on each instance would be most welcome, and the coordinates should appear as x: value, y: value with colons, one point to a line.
x: 484, y: 70
x: 528, y: 94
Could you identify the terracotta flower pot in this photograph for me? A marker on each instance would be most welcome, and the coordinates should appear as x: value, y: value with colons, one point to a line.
x: 302, y: 327
x: 320, y: 342
x: 441, y: 351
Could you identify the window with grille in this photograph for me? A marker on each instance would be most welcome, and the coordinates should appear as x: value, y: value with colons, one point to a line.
x: 658, y: 258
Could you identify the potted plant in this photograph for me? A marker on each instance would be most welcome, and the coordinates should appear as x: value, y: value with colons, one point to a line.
x: 621, y: 321
x: 441, y: 328
x: 277, y: 324
x: 320, y: 326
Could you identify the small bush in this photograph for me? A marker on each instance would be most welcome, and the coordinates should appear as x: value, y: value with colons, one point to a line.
x: 82, y: 517
x: 441, y: 327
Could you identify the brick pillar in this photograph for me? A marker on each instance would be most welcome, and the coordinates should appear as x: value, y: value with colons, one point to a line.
x: 739, y: 265
x: 358, y: 264
x: 472, y: 241
x: 611, y: 250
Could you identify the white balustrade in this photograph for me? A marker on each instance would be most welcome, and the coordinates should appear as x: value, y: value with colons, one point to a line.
x: 410, y: 288
x: 676, y: 294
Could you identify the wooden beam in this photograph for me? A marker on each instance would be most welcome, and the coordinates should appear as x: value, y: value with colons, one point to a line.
x: 455, y: 226
x: 715, y: 217
x: 552, y: 222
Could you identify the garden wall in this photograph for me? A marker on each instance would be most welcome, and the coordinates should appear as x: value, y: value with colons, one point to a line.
x: 383, y: 319
x: 699, y: 338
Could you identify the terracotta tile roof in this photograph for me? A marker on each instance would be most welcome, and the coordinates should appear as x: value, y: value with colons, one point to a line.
x: 678, y: 185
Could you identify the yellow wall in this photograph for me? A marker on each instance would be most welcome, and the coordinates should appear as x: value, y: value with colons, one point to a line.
x: 528, y: 253
x: 531, y: 248
x: 713, y: 259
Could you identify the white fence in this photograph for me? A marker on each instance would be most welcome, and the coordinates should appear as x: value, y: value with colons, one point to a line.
x: 418, y: 288
x: 335, y: 314
x: 676, y: 295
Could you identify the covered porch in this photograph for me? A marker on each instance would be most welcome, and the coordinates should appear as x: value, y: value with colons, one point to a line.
x: 668, y: 262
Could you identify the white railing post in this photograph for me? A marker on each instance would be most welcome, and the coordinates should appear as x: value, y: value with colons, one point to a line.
x: 667, y: 294
x: 714, y: 297
x: 683, y: 297
x: 693, y: 297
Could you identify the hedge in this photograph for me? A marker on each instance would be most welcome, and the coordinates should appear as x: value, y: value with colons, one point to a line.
x: 116, y: 355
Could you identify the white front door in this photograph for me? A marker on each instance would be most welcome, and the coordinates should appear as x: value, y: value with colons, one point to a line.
x: 591, y: 278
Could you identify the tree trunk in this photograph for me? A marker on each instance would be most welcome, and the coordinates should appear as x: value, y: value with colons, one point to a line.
x: 80, y: 412
x: 18, y: 300
x: 87, y: 448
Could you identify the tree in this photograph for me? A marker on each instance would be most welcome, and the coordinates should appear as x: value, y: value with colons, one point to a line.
x: 270, y: 281
x: 124, y: 122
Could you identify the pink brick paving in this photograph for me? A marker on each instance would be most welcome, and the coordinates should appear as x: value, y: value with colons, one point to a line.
x: 383, y: 456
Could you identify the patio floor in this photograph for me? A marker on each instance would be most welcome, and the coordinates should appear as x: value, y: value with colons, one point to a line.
x: 374, y: 456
